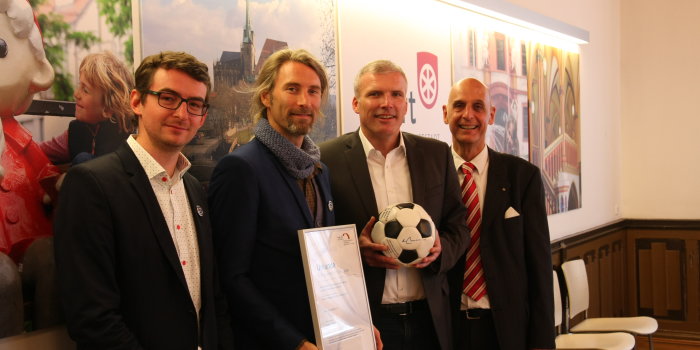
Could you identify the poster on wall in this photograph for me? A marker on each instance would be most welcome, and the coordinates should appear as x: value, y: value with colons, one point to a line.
x: 535, y: 89
x: 234, y: 39
x: 42, y: 45
x: 499, y: 61
x: 72, y: 30
x: 555, y: 124
x: 420, y: 47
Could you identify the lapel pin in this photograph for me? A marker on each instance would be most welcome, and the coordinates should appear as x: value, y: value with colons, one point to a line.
x: 200, y: 211
x: 330, y: 205
x: 503, y: 189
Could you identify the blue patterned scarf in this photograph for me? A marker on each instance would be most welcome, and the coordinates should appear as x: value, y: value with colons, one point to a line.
x: 300, y: 162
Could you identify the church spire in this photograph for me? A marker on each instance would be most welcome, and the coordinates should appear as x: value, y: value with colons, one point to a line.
x: 248, y: 29
x: 248, y: 48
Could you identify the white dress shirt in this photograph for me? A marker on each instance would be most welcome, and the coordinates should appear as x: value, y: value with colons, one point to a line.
x: 391, y: 182
x: 481, y: 162
x: 172, y: 198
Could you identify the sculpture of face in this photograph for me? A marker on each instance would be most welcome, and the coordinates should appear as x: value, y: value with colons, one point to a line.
x: 23, y: 65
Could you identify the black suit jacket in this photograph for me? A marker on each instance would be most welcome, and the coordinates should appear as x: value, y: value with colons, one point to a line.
x: 435, y: 188
x: 120, y: 279
x: 516, y: 256
x: 257, y: 209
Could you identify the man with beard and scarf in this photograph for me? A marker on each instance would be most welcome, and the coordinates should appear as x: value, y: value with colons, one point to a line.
x: 261, y: 194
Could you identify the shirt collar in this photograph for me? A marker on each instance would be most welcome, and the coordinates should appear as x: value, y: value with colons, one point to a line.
x: 480, y: 161
x: 151, y: 166
x: 368, y: 148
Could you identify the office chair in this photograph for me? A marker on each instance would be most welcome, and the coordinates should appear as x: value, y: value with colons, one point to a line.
x: 577, y: 286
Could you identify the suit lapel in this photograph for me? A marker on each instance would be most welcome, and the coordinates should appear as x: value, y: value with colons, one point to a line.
x: 497, y: 188
x: 203, y: 231
x: 359, y: 171
x: 414, y: 155
x: 159, y: 227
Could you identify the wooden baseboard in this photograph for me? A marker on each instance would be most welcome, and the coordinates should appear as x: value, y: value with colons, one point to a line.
x: 678, y: 337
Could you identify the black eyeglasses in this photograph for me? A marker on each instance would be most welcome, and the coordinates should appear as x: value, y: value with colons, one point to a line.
x: 171, y: 100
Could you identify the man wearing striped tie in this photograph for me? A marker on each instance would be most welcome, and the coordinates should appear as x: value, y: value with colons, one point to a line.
x: 501, y: 290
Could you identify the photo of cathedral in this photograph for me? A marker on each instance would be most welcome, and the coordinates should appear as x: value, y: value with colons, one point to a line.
x: 235, y: 39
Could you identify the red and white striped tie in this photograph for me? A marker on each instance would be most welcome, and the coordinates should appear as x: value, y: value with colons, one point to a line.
x: 474, y: 284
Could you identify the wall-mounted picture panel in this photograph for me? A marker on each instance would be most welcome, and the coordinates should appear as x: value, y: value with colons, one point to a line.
x: 499, y: 61
x: 535, y: 89
x: 555, y: 124
x: 234, y: 38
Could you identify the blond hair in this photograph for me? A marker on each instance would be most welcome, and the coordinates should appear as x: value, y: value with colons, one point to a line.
x: 268, y: 74
x: 110, y: 75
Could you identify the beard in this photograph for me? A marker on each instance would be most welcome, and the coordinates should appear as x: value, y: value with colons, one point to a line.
x: 300, y: 127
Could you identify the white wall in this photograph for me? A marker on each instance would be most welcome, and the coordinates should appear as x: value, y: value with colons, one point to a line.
x: 600, y: 82
x: 661, y: 126
x: 600, y: 110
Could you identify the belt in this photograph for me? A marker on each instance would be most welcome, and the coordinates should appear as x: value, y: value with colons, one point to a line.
x: 476, y: 314
x: 406, y: 308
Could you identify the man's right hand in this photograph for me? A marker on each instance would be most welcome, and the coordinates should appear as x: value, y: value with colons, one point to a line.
x: 372, y: 253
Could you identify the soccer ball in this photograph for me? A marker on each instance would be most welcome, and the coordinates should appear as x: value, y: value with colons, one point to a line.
x: 408, y: 231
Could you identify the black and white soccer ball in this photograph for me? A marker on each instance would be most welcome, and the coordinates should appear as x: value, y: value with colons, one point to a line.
x: 408, y: 231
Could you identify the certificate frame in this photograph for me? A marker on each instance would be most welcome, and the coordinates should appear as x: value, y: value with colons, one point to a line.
x: 336, y: 286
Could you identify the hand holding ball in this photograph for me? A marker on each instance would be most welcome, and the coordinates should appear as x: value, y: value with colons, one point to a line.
x: 408, y: 231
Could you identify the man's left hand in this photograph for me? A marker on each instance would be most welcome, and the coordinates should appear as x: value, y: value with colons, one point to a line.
x: 434, y: 253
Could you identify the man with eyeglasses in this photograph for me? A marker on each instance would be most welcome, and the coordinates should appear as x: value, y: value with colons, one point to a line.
x: 133, y: 243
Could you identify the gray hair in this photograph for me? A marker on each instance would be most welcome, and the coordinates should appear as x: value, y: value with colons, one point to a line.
x: 377, y: 67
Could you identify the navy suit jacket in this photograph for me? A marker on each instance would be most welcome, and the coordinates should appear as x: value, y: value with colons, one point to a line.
x: 435, y: 187
x: 257, y: 208
x: 516, y: 256
x: 119, y: 274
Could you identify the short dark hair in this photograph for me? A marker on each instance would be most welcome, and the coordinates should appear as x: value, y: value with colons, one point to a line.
x: 181, y: 61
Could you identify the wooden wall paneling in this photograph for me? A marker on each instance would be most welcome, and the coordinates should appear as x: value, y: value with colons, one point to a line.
x: 619, y: 275
x: 646, y: 267
x: 605, y: 265
x: 693, y: 280
x: 664, y: 273
x: 604, y: 277
x: 661, y: 262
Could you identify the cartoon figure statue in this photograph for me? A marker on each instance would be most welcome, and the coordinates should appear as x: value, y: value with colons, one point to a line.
x: 27, y: 178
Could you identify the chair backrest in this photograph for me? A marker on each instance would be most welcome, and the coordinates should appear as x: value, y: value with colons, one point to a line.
x: 557, y: 299
x: 577, y: 286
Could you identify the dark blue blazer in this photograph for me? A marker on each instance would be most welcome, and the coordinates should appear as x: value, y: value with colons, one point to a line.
x: 257, y: 208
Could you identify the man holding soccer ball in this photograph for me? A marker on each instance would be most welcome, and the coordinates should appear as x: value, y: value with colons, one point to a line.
x: 377, y: 166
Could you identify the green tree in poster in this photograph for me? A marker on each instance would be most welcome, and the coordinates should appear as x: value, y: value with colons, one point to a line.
x: 57, y: 35
x: 117, y: 14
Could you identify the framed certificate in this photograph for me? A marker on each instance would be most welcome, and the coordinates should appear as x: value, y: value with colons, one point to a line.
x: 336, y: 285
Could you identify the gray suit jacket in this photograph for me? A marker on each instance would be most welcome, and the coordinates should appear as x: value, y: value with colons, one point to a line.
x: 435, y: 188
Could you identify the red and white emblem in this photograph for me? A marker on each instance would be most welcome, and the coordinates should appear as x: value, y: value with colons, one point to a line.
x: 427, y: 78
